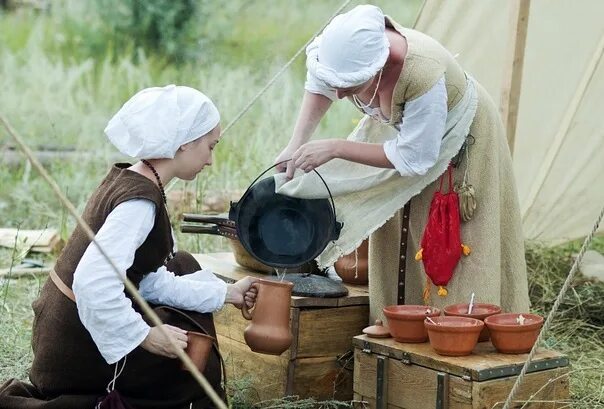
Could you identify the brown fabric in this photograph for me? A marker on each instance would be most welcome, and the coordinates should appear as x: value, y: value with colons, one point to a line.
x: 119, y: 186
x: 68, y: 371
x: 496, y: 268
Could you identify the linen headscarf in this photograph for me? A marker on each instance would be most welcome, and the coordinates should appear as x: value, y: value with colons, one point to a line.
x: 156, y: 121
x: 352, y: 48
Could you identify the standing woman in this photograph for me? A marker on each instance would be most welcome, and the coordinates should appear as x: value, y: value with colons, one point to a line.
x: 422, y: 112
x: 88, y: 335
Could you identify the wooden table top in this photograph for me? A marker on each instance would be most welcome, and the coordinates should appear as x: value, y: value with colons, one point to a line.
x: 224, y: 265
x: 484, y: 362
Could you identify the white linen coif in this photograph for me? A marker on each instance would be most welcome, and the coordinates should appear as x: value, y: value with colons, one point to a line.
x: 352, y: 48
x: 156, y: 121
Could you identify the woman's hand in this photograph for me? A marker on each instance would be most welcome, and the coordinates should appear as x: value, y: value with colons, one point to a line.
x: 158, y: 344
x: 242, y: 291
x: 287, y: 167
x: 315, y: 153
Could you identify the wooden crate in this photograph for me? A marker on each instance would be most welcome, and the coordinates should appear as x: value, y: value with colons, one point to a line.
x: 322, y: 328
x: 389, y: 374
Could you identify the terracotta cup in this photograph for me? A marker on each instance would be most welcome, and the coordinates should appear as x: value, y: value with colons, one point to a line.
x: 353, y: 268
x: 198, y: 349
x: 406, y: 322
x: 453, y: 336
x: 269, y: 332
x: 514, y: 335
x: 479, y: 311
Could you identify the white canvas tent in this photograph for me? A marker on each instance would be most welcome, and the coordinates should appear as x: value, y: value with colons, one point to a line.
x: 558, y: 148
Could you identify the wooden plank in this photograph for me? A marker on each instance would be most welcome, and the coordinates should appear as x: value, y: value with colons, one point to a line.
x: 329, y: 331
x: 266, y: 374
x: 460, y: 393
x: 322, y: 378
x: 24, y: 271
x: 40, y: 241
x: 365, y: 370
x: 510, y: 93
x: 224, y: 265
x: 550, y: 389
x: 483, y: 357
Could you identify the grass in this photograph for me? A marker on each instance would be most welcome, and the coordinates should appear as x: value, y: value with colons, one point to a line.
x: 61, y: 82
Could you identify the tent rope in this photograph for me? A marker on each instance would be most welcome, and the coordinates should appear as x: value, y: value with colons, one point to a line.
x: 272, y: 80
x: 550, y: 316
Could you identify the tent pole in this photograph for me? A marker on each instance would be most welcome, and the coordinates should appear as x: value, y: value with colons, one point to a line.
x: 512, y: 79
x: 419, y: 13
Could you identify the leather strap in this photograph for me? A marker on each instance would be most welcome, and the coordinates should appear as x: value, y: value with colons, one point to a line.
x: 402, y: 263
x: 61, y: 285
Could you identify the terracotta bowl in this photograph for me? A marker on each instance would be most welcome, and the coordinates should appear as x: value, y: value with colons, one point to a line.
x: 454, y: 336
x: 509, y: 336
x: 406, y: 322
x: 479, y: 311
x: 198, y: 348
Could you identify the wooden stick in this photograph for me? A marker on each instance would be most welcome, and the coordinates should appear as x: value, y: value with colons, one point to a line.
x: 512, y: 79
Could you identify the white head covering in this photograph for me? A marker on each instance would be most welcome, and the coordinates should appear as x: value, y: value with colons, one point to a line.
x: 155, y: 122
x: 352, y: 48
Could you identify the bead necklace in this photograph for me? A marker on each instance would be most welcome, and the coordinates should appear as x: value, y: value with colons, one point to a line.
x: 163, y: 195
x: 360, y: 103
x: 161, y: 186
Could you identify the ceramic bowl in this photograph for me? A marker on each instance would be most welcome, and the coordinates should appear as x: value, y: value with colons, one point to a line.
x: 479, y: 311
x: 406, y: 322
x: 454, y: 336
x: 512, y: 334
x: 198, y: 348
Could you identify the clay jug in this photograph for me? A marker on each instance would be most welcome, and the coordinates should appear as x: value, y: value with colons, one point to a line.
x: 198, y: 348
x: 352, y: 268
x: 269, y: 332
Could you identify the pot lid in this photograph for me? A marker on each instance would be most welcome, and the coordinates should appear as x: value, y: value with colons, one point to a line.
x: 312, y: 285
x: 378, y: 330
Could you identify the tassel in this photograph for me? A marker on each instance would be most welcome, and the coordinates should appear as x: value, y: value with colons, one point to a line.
x: 419, y: 255
x: 466, y: 250
x: 426, y: 292
x: 442, y: 291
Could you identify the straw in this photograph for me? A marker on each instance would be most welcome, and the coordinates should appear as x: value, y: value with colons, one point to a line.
x: 471, y: 304
x: 432, y: 321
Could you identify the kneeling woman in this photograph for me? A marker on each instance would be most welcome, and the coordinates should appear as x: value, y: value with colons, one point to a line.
x: 86, y: 328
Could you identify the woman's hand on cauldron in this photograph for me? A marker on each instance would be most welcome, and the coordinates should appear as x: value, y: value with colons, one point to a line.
x: 242, y: 291
x: 157, y: 343
x: 287, y: 167
x: 315, y: 153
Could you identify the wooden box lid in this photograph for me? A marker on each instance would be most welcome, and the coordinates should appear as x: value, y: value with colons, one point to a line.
x: 484, y: 363
x: 225, y: 267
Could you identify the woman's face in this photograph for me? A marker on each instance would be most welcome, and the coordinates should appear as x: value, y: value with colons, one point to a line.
x: 359, y: 89
x: 192, y: 157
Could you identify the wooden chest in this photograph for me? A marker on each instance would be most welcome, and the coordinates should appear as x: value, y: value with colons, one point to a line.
x: 313, y: 366
x: 388, y: 374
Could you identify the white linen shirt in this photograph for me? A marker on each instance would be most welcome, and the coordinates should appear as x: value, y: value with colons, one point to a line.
x: 103, y: 307
x: 422, y: 127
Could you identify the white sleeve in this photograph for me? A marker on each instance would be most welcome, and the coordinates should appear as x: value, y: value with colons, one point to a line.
x: 102, y: 305
x: 415, y: 150
x: 200, y: 291
x: 316, y: 86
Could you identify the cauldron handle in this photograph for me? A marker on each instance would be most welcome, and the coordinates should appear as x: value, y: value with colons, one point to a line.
x: 333, y: 205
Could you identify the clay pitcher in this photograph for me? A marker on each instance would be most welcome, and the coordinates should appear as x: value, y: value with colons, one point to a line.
x: 269, y: 332
x: 352, y: 268
x: 198, y: 348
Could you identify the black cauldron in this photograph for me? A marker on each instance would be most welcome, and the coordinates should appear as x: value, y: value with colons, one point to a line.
x: 282, y: 231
